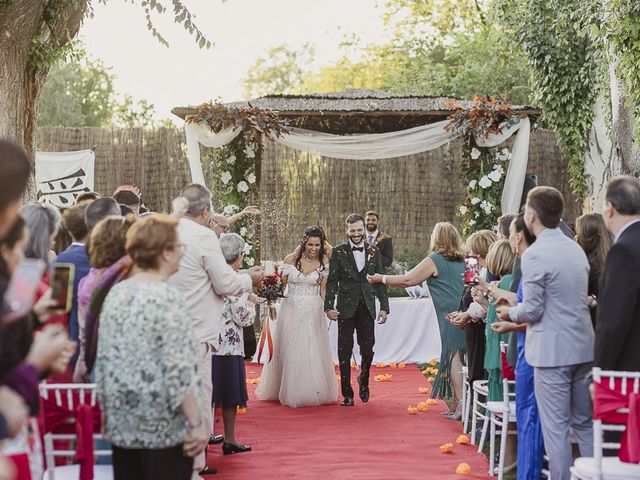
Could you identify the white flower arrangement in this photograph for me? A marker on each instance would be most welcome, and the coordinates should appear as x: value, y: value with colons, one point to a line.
x: 473, y: 184
x: 475, y: 201
x: 249, y: 261
x: 472, y: 223
x: 243, y: 187
x: 485, y: 182
x: 503, y: 155
x: 475, y: 153
x: 243, y: 231
x: 226, y: 177
x: 486, y: 207
x: 248, y: 151
x: 230, y: 209
x: 251, y: 178
x: 231, y: 159
x: 463, y: 209
x: 495, y: 175
x: 247, y: 248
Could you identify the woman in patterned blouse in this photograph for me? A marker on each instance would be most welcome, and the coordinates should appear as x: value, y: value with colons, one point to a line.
x: 229, y: 377
x: 146, y: 363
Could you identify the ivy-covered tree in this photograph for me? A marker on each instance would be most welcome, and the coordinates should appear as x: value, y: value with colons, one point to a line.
x: 581, y: 51
x: 36, y: 33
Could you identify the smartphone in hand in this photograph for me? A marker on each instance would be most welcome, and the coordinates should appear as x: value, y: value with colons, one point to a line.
x: 21, y: 291
x: 62, y: 286
x: 470, y: 270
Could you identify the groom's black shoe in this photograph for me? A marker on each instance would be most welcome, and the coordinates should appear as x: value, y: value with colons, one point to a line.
x: 348, y: 402
x: 216, y: 439
x: 363, y: 390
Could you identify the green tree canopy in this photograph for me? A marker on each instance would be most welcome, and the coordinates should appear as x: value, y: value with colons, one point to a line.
x: 448, y: 47
x: 80, y: 92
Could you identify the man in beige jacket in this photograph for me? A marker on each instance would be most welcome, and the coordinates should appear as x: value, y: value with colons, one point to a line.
x: 204, y: 279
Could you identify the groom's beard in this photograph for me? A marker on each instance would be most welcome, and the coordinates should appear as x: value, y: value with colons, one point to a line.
x: 371, y: 228
x: 356, y: 239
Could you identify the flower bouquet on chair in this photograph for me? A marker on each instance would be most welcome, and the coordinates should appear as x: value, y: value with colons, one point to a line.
x: 270, y: 289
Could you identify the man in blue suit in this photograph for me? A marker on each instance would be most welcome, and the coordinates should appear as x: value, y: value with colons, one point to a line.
x: 73, y: 221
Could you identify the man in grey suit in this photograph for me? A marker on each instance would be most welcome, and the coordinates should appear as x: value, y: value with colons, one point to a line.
x: 560, y: 336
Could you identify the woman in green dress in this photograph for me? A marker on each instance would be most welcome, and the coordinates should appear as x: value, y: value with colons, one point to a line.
x: 499, y: 262
x: 443, y: 269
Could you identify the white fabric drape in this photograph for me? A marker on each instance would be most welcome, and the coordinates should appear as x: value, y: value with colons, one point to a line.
x: 514, y: 182
x: 370, y: 146
x: 377, y: 146
x: 200, y: 134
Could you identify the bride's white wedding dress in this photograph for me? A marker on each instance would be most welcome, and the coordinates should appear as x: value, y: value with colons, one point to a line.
x: 301, y: 372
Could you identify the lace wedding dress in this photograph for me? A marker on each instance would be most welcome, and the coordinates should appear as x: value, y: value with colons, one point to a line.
x: 301, y: 372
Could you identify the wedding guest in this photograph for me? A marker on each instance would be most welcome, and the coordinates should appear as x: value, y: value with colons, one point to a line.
x: 74, y: 222
x: 42, y: 221
x: 146, y: 369
x: 107, y: 247
x: 23, y: 360
x: 618, y: 322
x: 15, y: 171
x: 204, y: 278
x: 383, y: 241
x: 128, y: 199
x: 472, y: 314
x: 499, y: 262
x: 87, y: 197
x: 504, y: 222
x: 99, y: 209
x: 594, y: 238
x: 219, y: 224
x: 229, y: 376
x: 531, y: 445
x: 443, y: 270
x: 559, y: 343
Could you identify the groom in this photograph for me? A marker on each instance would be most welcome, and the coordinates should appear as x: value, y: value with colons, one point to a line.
x: 349, y: 266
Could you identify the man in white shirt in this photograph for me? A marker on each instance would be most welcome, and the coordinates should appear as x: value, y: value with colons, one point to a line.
x: 204, y: 279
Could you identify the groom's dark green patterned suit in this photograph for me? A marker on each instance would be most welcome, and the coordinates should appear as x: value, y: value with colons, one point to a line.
x: 357, y: 307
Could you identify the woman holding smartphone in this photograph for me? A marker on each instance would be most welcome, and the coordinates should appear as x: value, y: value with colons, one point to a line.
x: 531, y: 451
x: 443, y: 270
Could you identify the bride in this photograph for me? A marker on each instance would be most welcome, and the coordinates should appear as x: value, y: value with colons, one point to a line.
x: 301, y: 372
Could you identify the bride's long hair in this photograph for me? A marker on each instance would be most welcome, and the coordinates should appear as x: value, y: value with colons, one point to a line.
x: 313, y: 231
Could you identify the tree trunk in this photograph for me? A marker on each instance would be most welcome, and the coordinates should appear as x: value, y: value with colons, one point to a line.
x: 626, y: 157
x: 20, y: 79
x: 597, y: 160
x: 612, y: 151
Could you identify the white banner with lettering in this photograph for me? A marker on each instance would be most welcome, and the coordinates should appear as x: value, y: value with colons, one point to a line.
x: 62, y: 176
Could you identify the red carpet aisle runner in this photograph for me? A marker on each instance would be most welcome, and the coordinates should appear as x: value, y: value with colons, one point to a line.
x: 377, y: 440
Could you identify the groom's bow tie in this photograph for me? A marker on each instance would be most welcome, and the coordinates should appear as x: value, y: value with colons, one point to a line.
x: 358, y: 249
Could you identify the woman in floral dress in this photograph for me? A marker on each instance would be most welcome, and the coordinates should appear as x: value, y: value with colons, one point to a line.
x: 228, y: 372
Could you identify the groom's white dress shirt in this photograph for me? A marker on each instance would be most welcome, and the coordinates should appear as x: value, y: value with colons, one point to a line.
x: 204, y: 278
x: 358, y: 256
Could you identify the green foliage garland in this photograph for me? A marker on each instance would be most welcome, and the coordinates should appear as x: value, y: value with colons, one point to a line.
x: 566, y: 72
x: 234, y: 186
x: 232, y: 168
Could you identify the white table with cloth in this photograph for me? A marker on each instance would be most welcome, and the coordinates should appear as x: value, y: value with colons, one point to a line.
x: 410, y: 334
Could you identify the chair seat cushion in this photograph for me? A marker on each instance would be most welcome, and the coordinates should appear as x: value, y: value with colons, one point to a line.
x: 612, y: 468
x: 72, y: 472
x: 500, y: 407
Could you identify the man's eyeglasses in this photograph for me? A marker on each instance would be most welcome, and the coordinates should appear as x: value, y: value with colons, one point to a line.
x: 214, y: 224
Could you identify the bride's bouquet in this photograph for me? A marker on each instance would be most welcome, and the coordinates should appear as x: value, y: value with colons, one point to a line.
x: 271, y: 287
